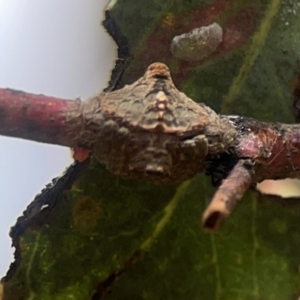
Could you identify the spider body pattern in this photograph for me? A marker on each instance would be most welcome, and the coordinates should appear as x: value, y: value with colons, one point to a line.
x: 151, y: 130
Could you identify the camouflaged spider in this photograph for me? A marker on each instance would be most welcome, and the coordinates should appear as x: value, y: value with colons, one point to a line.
x: 151, y: 130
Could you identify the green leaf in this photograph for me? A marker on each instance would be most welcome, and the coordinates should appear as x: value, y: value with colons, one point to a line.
x: 95, y: 236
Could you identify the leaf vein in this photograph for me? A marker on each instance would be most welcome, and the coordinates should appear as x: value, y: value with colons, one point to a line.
x: 258, y: 41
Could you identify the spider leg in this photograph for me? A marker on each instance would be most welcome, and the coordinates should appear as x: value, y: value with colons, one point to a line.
x: 196, y: 146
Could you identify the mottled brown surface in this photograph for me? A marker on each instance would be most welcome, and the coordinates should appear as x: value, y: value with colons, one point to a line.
x: 150, y: 130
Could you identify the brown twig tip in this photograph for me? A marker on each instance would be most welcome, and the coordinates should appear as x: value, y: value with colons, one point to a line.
x: 231, y: 190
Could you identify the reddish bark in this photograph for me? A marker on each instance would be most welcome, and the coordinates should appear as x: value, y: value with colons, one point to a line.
x: 225, y: 199
x: 271, y: 150
x: 34, y: 117
x: 274, y: 148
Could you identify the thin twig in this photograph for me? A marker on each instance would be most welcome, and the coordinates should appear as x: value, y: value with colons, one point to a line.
x: 225, y: 199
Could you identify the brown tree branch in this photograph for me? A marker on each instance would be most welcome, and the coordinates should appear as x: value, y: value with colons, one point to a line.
x: 139, y: 115
x: 225, y: 199
x: 34, y: 117
x: 273, y: 147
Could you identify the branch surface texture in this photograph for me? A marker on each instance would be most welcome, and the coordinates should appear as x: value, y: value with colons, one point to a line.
x: 151, y: 130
